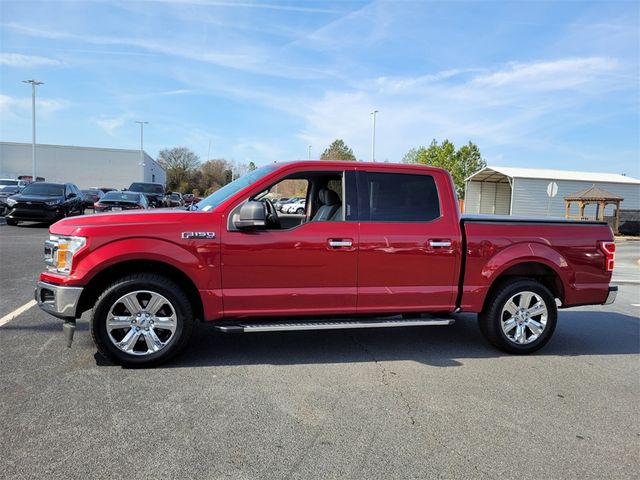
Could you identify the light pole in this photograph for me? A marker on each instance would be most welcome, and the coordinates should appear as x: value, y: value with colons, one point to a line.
x: 373, y: 137
x: 33, y: 83
x: 309, y: 152
x: 142, y: 124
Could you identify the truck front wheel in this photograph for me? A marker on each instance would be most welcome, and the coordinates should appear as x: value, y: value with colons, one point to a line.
x: 519, y: 317
x: 141, y: 320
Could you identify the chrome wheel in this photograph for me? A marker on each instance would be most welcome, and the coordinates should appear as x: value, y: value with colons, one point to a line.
x: 141, y: 323
x: 524, y: 317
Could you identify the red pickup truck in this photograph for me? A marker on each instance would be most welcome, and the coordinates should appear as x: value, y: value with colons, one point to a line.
x: 379, y: 245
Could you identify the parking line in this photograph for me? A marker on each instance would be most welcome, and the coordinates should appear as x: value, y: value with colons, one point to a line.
x: 18, y: 311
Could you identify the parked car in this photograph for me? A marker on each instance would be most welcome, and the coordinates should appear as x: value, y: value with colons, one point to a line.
x: 91, y: 196
x: 7, y: 191
x: 153, y: 191
x: 6, y: 182
x: 174, y: 199
x: 44, y: 202
x: 190, y: 198
x: 388, y: 251
x: 297, y: 207
x: 281, y: 202
x: 118, y: 201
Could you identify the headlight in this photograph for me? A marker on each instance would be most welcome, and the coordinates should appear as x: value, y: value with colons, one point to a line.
x: 59, y: 251
x: 11, y: 202
x: 52, y: 202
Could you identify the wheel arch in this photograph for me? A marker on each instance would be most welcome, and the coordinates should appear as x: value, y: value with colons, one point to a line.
x: 104, y: 278
x: 532, y: 270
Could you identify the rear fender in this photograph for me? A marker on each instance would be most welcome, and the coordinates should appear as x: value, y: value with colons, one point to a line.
x: 529, y: 253
x: 476, y: 287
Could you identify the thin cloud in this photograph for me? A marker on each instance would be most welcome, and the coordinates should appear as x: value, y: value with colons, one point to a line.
x: 252, y: 58
x: 27, y: 61
x: 504, y: 106
x: 18, y: 106
x: 250, y: 5
x: 111, y: 124
x: 551, y: 75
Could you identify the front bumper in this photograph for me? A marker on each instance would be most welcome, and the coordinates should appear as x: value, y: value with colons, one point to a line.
x: 613, y: 291
x: 61, y: 302
x: 34, y: 215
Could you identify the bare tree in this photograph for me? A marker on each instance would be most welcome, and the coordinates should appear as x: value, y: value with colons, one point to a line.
x: 180, y: 165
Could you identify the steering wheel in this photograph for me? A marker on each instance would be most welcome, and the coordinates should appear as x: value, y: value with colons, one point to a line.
x: 272, y: 214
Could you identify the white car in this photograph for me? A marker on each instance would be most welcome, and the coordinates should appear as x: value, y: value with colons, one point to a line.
x: 297, y: 207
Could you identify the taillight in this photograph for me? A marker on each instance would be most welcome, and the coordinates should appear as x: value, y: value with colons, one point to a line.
x: 609, y: 250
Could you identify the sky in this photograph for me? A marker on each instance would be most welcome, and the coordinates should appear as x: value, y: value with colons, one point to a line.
x: 540, y: 84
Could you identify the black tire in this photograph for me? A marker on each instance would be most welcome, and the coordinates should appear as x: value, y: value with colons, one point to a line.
x: 177, y: 302
x: 11, y: 221
x: 300, y: 211
x: 524, y: 323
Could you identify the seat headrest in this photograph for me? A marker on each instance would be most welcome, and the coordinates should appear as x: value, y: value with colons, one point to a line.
x: 328, y: 197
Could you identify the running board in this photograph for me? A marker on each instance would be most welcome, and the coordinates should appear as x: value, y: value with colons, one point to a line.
x: 331, y: 325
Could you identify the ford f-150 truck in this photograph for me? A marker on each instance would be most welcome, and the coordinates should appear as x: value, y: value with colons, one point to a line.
x: 379, y: 245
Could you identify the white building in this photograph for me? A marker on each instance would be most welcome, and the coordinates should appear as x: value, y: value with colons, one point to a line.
x: 523, y: 191
x: 84, y: 166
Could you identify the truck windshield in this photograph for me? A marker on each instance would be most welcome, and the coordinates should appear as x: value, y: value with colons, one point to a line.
x: 219, y: 196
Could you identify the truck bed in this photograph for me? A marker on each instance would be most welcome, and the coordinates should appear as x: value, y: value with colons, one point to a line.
x: 565, y: 253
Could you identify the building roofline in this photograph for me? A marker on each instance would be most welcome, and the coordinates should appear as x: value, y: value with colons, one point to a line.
x: 109, y: 149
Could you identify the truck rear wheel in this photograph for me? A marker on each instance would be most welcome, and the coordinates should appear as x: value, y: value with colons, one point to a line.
x: 519, y: 317
x: 141, y: 320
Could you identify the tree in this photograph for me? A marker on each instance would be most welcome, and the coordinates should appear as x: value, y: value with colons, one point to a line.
x: 412, y: 155
x: 180, y: 165
x: 212, y: 175
x: 469, y: 161
x: 338, y: 150
x: 251, y: 167
x: 461, y: 163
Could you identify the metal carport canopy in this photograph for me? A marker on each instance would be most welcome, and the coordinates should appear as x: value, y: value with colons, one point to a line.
x: 488, y: 173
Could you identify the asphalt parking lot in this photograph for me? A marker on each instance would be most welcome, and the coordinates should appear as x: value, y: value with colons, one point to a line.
x: 434, y: 402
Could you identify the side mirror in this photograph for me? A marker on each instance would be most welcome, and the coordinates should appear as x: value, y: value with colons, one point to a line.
x: 72, y: 195
x: 252, y: 216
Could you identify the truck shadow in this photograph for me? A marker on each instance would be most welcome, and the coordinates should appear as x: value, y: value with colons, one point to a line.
x: 577, y: 334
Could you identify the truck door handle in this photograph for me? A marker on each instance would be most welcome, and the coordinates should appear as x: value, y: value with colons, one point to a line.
x: 440, y: 243
x: 340, y: 243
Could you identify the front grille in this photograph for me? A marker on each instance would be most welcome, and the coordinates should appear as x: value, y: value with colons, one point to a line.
x: 30, y: 206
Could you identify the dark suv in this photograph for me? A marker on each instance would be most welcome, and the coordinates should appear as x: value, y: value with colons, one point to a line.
x: 44, y: 202
x: 153, y: 191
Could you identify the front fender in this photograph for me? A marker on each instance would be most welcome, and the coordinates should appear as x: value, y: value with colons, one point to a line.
x: 144, y: 248
x: 92, y: 261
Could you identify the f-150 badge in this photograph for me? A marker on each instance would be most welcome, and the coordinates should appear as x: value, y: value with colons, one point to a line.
x: 198, y: 234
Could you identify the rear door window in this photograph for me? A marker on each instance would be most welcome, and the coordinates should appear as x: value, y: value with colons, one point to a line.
x: 398, y: 197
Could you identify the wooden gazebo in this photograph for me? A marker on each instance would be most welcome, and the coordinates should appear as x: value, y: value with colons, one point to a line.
x: 601, y: 198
